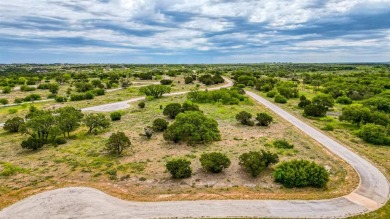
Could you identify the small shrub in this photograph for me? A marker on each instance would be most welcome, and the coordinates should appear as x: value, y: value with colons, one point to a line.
x: 160, y: 125
x: 6, y: 90
x: 179, y: 168
x: 12, y: 125
x: 343, y: 100
x: 254, y: 162
x: 60, y: 140
x: 148, y: 132
x: 264, y: 119
x: 12, y: 111
x: 32, y: 143
x: 60, y: 99
x: 188, y: 80
x: 328, y: 127
x: 172, y: 110
x: 301, y: 173
x: 271, y: 93
x: 280, y: 99
x: 141, y: 105
x: 3, y: 101
x: 117, y: 143
x: 166, y: 82
x: 18, y: 100
x: 282, y: 143
x: 115, y: 116
x: 314, y: 110
x: 245, y: 118
x: 375, y: 134
x: 214, y: 162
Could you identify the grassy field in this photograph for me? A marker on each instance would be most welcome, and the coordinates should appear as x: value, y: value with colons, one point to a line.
x: 139, y: 174
x: 344, y: 132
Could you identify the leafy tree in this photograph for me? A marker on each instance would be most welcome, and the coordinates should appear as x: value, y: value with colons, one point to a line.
x: 68, y: 119
x: 254, y: 162
x: 314, y: 110
x: 83, y: 86
x: 301, y: 173
x: 172, y: 110
x: 125, y: 82
x: 324, y: 100
x: 245, y: 118
x: 288, y: 89
x: 343, y: 100
x: 264, y: 119
x: 214, y: 162
x: 271, y: 93
x: 224, y: 96
x: 6, y: 90
x: 117, y: 143
x: 96, y: 83
x: 188, y: 80
x: 39, y: 124
x: 60, y: 99
x: 115, y: 116
x: 12, y: 125
x: 155, y: 90
x: 3, y: 101
x: 194, y: 127
x: 96, y: 120
x: 53, y: 88
x: 355, y: 113
x: 374, y: 134
x: 303, y: 102
x: 280, y: 99
x: 379, y: 118
x: 179, y: 168
x: 160, y: 125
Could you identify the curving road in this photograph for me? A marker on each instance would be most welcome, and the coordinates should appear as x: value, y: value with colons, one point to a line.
x: 79, y: 202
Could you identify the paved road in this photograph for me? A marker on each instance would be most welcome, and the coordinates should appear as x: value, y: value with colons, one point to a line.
x: 80, y: 202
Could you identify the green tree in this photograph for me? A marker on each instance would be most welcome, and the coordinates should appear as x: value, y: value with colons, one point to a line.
x: 245, y: 118
x: 68, y: 119
x: 214, y: 162
x: 117, y: 143
x: 12, y: 125
x: 254, y: 162
x: 53, y: 88
x: 355, y: 113
x: 324, y: 100
x: 3, y: 101
x: 179, y: 168
x: 374, y: 134
x: 194, y: 127
x: 172, y: 110
x: 280, y: 99
x: 39, y: 124
x: 96, y: 120
x: 264, y: 119
x: 115, y: 116
x: 160, y: 125
x: 314, y: 110
x: 155, y: 90
x: 189, y: 106
x: 301, y: 173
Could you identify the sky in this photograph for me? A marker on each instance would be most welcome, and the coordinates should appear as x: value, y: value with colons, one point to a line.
x: 194, y: 31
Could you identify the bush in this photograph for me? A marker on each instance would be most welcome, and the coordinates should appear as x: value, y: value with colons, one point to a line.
x: 84, y: 96
x: 214, y: 162
x: 244, y: 118
x: 301, y: 173
x: 155, y: 90
x: 18, y: 100
x: 12, y: 125
x: 160, y: 125
x: 328, y: 127
x: 188, y: 80
x: 60, y: 99
x: 60, y: 140
x: 282, y: 143
x: 32, y: 143
x: 32, y: 97
x: 314, y: 110
x: 3, y: 101
x: 115, y: 116
x: 141, y: 105
x: 179, y: 168
x: 343, y: 100
x: 189, y: 106
x: 166, y: 82
x: 224, y: 96
x: 27, y: 88
x: 148, y: 132
x: 374, y: 134
x: 280, y: 99
x: 264, y: 119
x: 254, y: 162
x: 99, y: 92
x: 194, y: 127
x: 6, y: 90
x: 172, y: 110
x: 271, y: 93
x: 117, y: 143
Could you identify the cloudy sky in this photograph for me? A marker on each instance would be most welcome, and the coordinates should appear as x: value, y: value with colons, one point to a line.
x: 194, y: 31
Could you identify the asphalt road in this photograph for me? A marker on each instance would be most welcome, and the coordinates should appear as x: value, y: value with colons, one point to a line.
x: 80, y: 202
